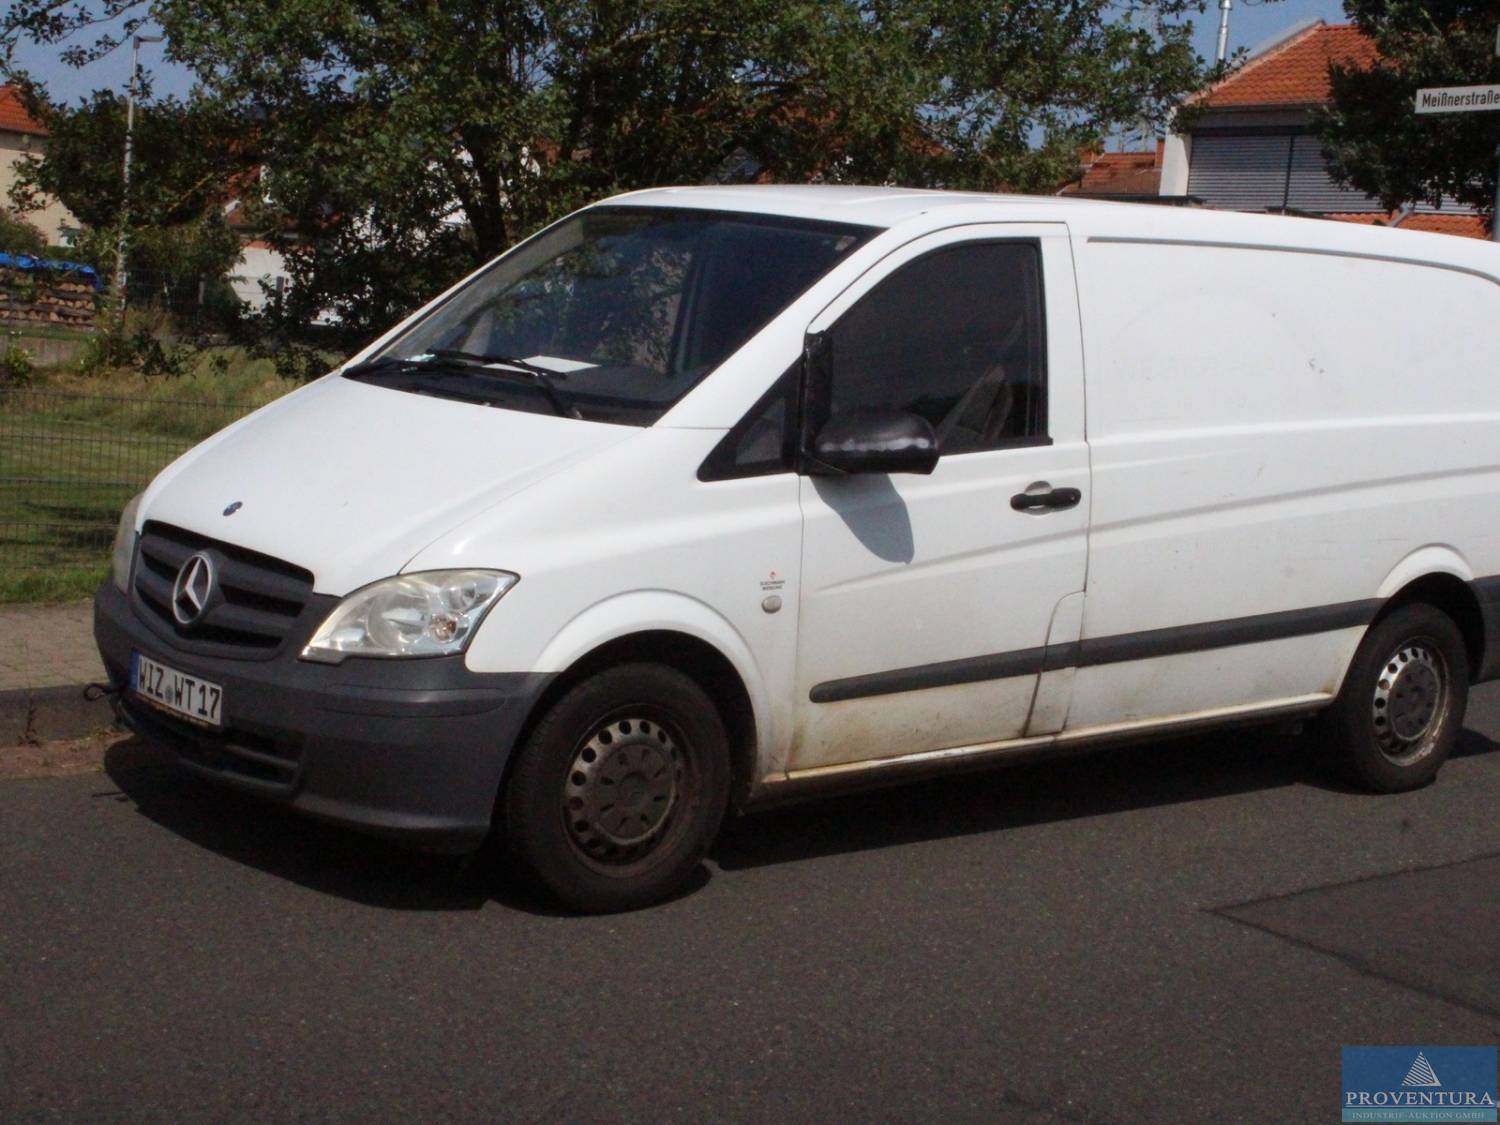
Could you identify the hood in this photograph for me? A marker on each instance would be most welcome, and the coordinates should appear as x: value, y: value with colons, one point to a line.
x: 351, y: 480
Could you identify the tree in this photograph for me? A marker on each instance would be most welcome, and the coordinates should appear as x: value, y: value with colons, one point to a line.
x: 404, y: 143
x: 17, y: 236
x: 183, y: 156
x: 1374, y: 140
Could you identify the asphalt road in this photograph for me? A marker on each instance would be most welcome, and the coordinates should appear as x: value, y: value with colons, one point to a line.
x: 1175, y: 932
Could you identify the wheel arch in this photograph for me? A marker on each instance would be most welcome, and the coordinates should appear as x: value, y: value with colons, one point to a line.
x: 681, y: 633
x: 1446, y: 583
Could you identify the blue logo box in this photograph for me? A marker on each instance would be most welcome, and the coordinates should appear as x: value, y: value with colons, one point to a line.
x: 1419, y: 1084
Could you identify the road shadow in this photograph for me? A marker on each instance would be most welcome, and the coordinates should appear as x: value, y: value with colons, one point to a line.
x: 1472, y: 744
x: 1121, y: 779
x: 321, y: 857
x: 375, y: 872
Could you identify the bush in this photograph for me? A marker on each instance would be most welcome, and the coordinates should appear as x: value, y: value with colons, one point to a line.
x: 114, y: 349
x: 300, y: 363
x: 155, y: 360
x: 15, y: 363
x: 106, y: 350
x: 17, y: 236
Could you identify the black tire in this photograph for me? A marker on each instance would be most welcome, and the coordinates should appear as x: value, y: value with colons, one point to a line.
x: 620, y: 789
x: 1402, y: 704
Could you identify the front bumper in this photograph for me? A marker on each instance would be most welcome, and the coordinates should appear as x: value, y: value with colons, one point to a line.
x: 407, y: 748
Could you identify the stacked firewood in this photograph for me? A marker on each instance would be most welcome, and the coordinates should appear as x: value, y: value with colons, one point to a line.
x: 46, y: 297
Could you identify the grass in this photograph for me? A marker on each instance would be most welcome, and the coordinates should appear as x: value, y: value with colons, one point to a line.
x: 73, y: 450
x: 44, y: 331
x: 48, y: 587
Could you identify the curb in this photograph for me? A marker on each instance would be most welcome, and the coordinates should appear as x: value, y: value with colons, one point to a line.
x: 45, y: 714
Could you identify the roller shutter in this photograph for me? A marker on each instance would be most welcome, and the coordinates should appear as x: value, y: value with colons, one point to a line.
x: 1246, y: 173
x: 1311, y: 187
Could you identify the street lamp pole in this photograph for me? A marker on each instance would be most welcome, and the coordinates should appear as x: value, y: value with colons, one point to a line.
x: 1495, y: 214
x: 135, y: 73
x: 1223, y: 50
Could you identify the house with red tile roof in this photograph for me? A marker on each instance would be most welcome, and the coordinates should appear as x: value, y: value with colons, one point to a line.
x: 21, y: 137
x: 1130, y: 176
x: 1249, y: 145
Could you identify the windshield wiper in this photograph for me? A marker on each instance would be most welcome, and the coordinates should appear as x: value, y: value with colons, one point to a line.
x: 499, y: 365
x: 502, y: 360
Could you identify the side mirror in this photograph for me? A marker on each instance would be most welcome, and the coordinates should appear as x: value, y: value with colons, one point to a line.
x: 875, y: 441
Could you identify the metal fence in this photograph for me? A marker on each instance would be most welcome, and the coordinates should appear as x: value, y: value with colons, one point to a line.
x: 196, y: 303
x: 68, y: 464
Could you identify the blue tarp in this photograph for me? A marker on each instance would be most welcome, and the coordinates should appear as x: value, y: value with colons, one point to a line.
x: 52, y: 265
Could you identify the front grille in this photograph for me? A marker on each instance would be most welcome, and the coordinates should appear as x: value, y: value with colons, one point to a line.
x: 259, y: 604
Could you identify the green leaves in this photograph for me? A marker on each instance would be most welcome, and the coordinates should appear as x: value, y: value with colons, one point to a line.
x: 184, y: 154
x: 17, y: 236
x: 1376, y: 142
x: 404, y: 143
x: 186, y: 157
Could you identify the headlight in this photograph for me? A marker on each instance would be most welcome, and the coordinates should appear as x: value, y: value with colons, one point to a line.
x: 119, y: 562
x: 425, y: 614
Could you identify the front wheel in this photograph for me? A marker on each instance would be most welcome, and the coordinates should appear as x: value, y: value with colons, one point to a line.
x: 620, y: 789
x: 1403, y: 699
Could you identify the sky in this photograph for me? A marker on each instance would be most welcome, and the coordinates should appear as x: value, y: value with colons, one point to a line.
x: 1251, y: 23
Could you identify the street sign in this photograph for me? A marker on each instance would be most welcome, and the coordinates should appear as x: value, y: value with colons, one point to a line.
x: 1467, y: 99
x: 1458, y: 99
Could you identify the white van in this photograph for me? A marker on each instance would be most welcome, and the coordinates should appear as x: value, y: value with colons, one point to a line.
x: 706, y: 497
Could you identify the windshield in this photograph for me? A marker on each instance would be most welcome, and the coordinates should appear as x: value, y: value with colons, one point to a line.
x: 614, y: 314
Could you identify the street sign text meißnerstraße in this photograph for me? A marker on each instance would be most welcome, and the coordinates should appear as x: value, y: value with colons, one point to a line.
x: 1458, y: 99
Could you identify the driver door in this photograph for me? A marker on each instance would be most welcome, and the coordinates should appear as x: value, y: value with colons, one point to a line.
x: 928, y: 603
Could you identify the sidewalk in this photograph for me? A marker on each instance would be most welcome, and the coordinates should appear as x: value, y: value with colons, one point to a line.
x: 47, y: 655
x: 44, y: 646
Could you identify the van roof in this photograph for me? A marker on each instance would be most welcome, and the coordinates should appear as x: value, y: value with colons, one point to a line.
x: 1090, y: 218
x: 847, y: 203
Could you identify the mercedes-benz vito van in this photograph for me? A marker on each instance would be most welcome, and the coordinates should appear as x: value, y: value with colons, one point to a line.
x: 706, y: 497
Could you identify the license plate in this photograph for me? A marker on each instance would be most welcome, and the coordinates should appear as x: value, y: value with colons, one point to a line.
x: 190, y: 697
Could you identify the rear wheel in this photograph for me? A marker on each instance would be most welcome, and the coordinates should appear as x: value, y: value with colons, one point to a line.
x: 620, y: 789
x: 1402, y: 704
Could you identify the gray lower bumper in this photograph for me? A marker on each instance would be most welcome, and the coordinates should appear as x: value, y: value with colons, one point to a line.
x: 408, y: 748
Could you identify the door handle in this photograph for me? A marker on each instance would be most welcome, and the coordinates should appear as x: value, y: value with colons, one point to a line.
x: 1041, y: 497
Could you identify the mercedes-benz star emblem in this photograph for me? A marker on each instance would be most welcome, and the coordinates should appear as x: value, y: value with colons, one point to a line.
x: 193, y: 588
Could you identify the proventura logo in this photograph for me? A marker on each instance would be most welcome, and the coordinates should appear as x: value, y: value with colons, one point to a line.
x: 1419, y: 1084
x: 1421, y: 1073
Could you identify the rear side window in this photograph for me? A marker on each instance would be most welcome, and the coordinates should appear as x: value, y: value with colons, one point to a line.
x: 956, y: 337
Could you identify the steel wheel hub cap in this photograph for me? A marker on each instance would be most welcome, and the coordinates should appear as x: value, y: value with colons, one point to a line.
x: 1408, y: 698
x: 622, y: 789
